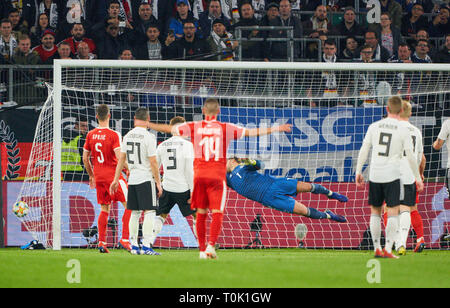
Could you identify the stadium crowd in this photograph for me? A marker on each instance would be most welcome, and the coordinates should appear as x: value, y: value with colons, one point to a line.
x: 39, y: 31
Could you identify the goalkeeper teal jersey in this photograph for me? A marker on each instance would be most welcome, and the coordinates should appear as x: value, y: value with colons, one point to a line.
x: 246, y: 181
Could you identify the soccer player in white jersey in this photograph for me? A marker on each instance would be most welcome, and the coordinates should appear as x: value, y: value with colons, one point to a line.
x: 389, y: 141
x: 408, y: 179
x: 176, y: 155
x: 444, y: 137
x: 144, y: 184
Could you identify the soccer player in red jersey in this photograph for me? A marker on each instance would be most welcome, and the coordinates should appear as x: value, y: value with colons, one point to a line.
x: 210, y: 139
x: 101, y: 152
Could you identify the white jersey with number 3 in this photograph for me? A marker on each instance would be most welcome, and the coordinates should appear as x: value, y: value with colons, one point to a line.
x: 388, y: 139
x: 407, y: 174
x: 139, y: 144
x: 176, y: 155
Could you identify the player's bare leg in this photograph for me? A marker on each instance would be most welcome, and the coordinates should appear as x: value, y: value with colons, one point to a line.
x: 319, y: 189
x: 125, y: 240
x: 301, y: 209
x: 102, y: 225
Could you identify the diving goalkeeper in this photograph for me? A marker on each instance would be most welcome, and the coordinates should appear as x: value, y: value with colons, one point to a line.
x: 277, y: 193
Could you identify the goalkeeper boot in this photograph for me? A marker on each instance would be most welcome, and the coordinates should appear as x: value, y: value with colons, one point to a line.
x: 389, y: 255
x: 102, y: 247
x: 211, y: 252
x: 378, y: 253
x: 420, y: 245
x: 149, y: 251
x: 335, y: 217
x: 401, y: 251
x: 336, y: 196
x: 125, y: 244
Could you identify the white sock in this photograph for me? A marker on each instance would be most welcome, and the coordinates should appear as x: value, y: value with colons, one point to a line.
x: 147, y: 228
x: 158, y: 223
x: 134, y: 227
x: 375, y: 230
x: 391, y: 232
x: 405, y: 224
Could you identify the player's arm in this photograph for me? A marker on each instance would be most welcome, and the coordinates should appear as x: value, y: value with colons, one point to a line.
x: 117, y: 153
x: 438, y: 144
x: 261, y: 131
x: 415, y: 168
x: 253, y: 163
x: 422, y: 166
x: 88, y: 167
x: 120, y: 165
x: 155, y: 172
x: 163, y: 128
x: 362, y: 158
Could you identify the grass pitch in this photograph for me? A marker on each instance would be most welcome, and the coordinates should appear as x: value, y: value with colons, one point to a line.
x: 267, y: 268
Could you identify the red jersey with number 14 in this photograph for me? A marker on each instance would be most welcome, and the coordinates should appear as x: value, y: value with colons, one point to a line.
x: 101, y: 143
x: 210, y: 140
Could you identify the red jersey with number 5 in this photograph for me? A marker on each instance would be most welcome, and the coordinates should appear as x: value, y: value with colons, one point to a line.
x: 101, y: 143
x: 210, y: 140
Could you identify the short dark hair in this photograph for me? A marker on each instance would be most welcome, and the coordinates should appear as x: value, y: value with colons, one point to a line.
x: 372, y: 31
x: 141, y: 114
x: 365, y: 46
x: 5, y: 20
x: 330, y: 42
x: 102, y: 112
x: 404, y: 45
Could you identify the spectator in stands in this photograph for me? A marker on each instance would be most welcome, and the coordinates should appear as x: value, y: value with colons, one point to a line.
x: 440, y: 26
x: 408, y: 5
x: 84, y: 52
x: 251, y: 50
x: 183, y: 15
x: 110, y: 45
x: 351, y: 49
x: 113, y: 15
x: 151, y: 48
x: 126, y: 54
x: 73, y: 141
x: 23, y: 54
x: 37, y: 31
x: 318, y: 24
x: 312, y: 49
x: 349, y: 26
x: 8, y: 41
x: 403, y: 54
x: 421, y: 53
x: 414, y: 21
x: 379, y: 53
x: 142, y: 22
x: 288, y: 20
x: 389, y: 34
x: 5, y: 7
x: 33, y: 9
x: 162, y: 10
x: 395, y: 11
x: 19, y: 26
x: 443, y: 55
x: 47, y: 48
x: 79, y: 35
x: 272, y: 18
x: 367, y: 52
x: 224, y: 49
x: 64, y: 52
x: 189, y: 47
x: 207, y: 18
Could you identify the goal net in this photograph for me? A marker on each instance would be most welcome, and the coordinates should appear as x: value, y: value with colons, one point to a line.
x: 329, y: 105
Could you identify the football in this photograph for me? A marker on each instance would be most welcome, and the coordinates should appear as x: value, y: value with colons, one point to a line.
x: 20, y: 209
x: 300, y: 231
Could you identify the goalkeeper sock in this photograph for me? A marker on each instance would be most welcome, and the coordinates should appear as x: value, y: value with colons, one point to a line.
x: 134, y: 227
x: 201, y: 231
x: 215, y: 228
x: 147, y: 228
x: 315, y: 214
x: 319, y: 189
x: 102, y: 224
x: 126, y: 225
x: 417, y: 223
x: 375, y: 230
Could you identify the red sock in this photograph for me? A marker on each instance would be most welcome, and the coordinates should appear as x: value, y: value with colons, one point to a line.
x: 417, y: 224
x: 385, y: 219
x: 125, y: 224
x: 102, y: 224
x: 215, y: 228
x: 200, y: 225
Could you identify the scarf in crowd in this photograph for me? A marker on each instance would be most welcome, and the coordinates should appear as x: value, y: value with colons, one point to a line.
x: 12, y: 45
x: 330, y: 79
x: 53, y: 16
x: 319, y: 24
x: 228, y: 55
x: 259, y: 7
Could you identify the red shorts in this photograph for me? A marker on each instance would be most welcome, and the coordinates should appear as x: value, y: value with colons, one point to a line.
x: 209, y: 193
x: 103, y: 195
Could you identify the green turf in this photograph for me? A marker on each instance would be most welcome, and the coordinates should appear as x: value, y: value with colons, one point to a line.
x: 270, y: 268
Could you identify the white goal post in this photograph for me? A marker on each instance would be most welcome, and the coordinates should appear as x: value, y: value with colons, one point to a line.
x: 329, y: 105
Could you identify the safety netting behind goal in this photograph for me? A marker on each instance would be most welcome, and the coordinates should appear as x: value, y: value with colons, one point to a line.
x: 330, y: 108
